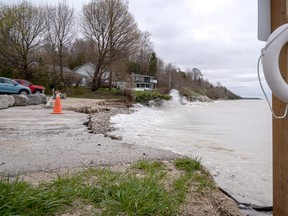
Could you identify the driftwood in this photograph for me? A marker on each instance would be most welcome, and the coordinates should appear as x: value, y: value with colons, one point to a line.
x: 247, y: 205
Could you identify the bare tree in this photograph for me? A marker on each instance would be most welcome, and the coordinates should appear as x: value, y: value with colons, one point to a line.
x: 109, y: 25
x: 142, y: 55
x: 170, y: 71
x: 194, y: 73
x: 78, y: 55
x: 21, y: 28
x: 60, y: 34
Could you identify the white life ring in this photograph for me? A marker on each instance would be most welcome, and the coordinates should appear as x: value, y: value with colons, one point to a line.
x: 270, y: 61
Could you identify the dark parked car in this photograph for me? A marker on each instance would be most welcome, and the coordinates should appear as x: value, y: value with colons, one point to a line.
x: 9, y: 86
x: 34, y: 88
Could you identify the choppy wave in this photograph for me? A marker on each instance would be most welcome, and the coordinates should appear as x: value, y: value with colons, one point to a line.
x: 233, y: 138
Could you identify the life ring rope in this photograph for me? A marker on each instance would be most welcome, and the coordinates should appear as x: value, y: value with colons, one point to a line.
x: 266, y: 97
x: 270, y: 61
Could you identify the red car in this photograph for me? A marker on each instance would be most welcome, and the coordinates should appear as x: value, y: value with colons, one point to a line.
x: 35, y: 89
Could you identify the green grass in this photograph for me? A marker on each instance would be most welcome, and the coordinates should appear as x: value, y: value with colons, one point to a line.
x: 190, y: 94
x: 196, y: 178
x: 102, y: 93
x: 146, y: 96
x: 188, y: 164
x: 115, y: 94
x: 139, y: 191
x: 20, y: 198
x: 149, y: 167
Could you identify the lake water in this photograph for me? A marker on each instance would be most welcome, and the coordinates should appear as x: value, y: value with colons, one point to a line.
x: 233, y: 139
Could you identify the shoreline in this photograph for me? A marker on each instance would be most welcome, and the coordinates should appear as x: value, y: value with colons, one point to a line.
x: 37, y: 153
x: 246, y: 208
x: 33, y: 140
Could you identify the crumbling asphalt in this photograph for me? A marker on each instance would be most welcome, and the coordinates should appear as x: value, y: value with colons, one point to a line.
x: 34, y: 140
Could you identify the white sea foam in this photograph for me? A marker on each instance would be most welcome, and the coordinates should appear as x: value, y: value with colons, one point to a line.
x: 233, y: 138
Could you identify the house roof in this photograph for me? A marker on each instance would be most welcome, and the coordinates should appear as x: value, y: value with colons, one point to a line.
x: 141, y: 75
x: 85, y: 70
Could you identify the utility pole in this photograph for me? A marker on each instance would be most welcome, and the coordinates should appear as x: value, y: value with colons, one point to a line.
x: 279, y: 16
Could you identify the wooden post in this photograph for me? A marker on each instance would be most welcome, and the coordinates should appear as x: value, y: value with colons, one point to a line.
x: 279, y: 16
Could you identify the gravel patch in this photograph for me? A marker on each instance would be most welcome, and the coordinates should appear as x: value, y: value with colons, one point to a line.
x: 34, y: 140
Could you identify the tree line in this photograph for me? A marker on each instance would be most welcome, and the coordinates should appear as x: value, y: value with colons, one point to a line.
x: 38, y: 42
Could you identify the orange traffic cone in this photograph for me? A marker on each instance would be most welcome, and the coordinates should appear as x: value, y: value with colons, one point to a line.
x: 57, y: 106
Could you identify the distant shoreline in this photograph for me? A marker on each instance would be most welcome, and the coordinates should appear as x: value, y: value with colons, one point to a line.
x: 251, y: 98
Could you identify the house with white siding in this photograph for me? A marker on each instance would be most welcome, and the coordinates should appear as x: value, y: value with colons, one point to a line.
x: 87, y: 71
x: 143, y: 82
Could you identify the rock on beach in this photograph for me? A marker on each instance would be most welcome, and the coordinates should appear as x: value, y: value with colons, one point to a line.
x: 21, y: 100
x: 6, y: 101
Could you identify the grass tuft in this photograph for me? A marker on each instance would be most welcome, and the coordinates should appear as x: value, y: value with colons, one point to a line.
x: 106, y: 192
x: 188, y: 164
x: 149, y: 166
x: 20, y: 198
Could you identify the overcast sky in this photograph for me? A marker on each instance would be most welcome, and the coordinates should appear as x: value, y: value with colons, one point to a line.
x: 217, y: 37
